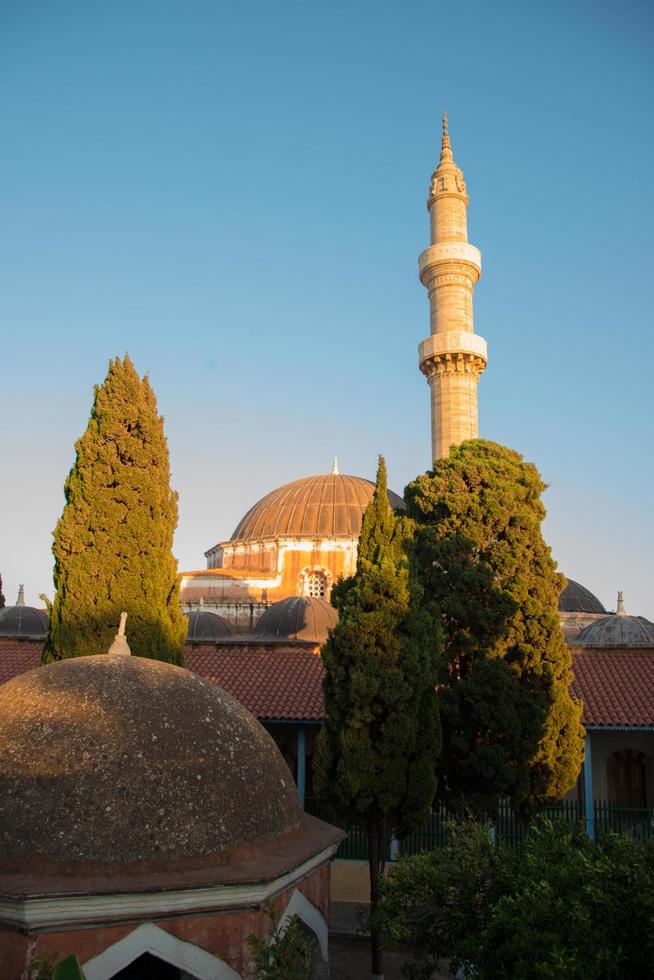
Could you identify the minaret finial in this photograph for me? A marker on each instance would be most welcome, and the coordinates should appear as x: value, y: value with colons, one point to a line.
x: 620, y: 611
x: 335, y: 466
x: 446, y: 147
x: 120, y: 646
x: 20, y: 601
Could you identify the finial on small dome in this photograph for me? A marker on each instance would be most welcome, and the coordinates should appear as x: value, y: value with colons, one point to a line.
x: 20, y: 601
x: 335, y: 466
x: 446, y: 148
x: 201, y: 602
x: 620, y: 611
x: 120, y: 646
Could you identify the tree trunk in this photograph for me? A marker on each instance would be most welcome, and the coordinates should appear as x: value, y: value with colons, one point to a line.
x: 375, y: 859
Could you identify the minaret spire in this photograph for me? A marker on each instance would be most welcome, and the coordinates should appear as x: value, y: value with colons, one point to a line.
x: 453, y: 357
x: 446, y: 147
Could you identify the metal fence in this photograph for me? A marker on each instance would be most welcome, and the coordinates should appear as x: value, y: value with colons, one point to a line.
x: 636, y: 821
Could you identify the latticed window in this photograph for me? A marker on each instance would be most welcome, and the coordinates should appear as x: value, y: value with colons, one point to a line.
x: 316, y: 585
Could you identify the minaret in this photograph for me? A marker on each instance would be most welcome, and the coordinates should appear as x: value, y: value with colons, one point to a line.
x: 453, y: 357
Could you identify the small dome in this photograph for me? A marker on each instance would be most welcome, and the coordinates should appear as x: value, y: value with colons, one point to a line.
x: 208, y: 627
x: 327, y: 506
x: 617, y: 631
x: 298, y: 618
x: 576, y: 598
x: 126, y: 760
x: 23, y: 622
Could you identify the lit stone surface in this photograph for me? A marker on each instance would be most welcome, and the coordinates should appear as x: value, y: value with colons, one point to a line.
x: 118, y: 758
x: 452, y: 358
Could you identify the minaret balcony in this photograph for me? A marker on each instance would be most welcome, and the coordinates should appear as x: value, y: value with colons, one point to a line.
x: 442, y: 348
x: 460, y: 254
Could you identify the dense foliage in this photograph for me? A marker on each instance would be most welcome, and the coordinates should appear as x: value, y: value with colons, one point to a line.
x: 2, y: 595
x: 374, y: 757
x: 562, y: 908
x: 113, y: 542
x: 510, y: 727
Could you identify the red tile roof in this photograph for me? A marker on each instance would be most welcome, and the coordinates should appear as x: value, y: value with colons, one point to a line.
x: 616, y: 686
x: 271, y: 683
x: 18, y: 656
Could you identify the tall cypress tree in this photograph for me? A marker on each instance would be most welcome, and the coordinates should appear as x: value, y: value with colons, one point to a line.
x: 113, y: 542
x: 2, y: 595
x: 374, y: 758
x: 510, y: 727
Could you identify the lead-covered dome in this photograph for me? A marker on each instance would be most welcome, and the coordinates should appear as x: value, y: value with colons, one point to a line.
x: 298, y: 618
x: 617, y: 631
x: 330, y: 506
x: 126, y: 760
x: 575, y: 598
x: 208, y: 627
x: 23, y: 623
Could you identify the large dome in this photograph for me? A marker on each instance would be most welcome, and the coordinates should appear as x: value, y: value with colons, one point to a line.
x: 23, y: 622
x: 328, y: 506
x: 298, y: 618
x: 131, y: 761
x: 575, y: 598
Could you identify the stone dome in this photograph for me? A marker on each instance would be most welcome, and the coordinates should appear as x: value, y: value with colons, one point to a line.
x: 208, y: 627
x: 617, y: 631
x: 326, y: 506
x: 575, y: 598
x: 298, y: 618
x: 23, y: 622
x: 132, y: 761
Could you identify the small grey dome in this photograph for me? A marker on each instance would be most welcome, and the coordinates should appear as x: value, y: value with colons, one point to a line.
x: 576, y: 598
x: 208, y: 627
x: 298, y: 618
x: 23, y: 623
x: 617, y: 631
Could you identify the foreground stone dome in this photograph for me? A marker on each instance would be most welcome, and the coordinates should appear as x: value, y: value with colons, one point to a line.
x: 575, y: 598
x: 298, y: 618
x: 122, y: 759
x: 330, y: 506
x: 208, y: 627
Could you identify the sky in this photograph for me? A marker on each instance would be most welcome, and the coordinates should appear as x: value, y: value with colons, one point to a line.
x: 234, y: 193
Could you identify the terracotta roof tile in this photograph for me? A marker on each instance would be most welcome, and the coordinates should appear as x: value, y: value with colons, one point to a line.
x: 271, y: 683
x: 616, y: 686
x: 18, y: 656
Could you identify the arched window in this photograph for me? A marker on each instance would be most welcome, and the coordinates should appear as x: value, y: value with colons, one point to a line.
x: 316, y: 585
x: 626, y: 772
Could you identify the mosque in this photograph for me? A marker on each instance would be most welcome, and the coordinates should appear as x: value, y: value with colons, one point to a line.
x: 181, y: 869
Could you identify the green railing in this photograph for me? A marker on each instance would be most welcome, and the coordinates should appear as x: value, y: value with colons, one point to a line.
x: 637, y: 821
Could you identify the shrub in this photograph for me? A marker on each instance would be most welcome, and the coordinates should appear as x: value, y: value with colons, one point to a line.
x: 286, y: 953
x: 564, y: 907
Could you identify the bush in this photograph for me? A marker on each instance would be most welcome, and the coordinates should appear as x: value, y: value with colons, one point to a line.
x: 564, y: 907
x: 286, y: 953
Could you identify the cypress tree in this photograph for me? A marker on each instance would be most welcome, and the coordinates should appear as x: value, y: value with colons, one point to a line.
x: 113, y: 542
x: 2, y: 595
x: 510, y: 726
x: 374, y: 758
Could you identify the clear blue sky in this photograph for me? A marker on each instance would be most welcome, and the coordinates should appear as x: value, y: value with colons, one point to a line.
x: 235, y: 194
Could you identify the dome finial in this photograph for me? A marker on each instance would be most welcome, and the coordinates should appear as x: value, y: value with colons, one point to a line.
x: 335, y: 466
x: 446, y: 147
x: 620, y: 611
x: 120, y: 646
x: 20, y: 601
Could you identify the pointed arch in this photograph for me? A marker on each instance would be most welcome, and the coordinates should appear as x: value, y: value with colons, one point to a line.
x: 312, y: 918
x: 149, y: 938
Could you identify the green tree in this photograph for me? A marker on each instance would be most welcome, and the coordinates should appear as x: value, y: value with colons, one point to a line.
x: 510, y: 726
x: 113, y: 542
x: 374, y: 758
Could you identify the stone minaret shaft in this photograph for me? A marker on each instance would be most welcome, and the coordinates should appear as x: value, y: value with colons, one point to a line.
x: 453, y: 357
